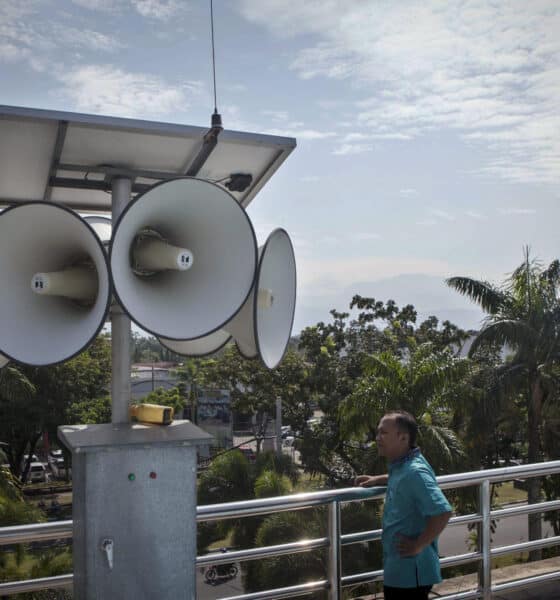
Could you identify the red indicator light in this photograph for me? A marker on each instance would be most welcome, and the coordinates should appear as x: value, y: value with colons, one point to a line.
x: 153, y: 475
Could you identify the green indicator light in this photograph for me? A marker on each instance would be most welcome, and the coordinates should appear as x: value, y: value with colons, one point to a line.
x: 131, y: 477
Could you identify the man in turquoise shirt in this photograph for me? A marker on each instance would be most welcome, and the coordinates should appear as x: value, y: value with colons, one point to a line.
x: 415, y: 512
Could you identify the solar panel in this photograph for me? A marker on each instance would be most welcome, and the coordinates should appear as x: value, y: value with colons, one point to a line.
x: 70, y: 158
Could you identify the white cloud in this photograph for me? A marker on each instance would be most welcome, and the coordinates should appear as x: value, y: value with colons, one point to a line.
x: 407, y: 192
x: 37, y: 41
x: 277, y: 115
x: 101, y: 5
x: 475, y: 215
x: 517, y: 211
x: 164, y: 10
x: 301, y: 134
x: 110, y: 90
x: 282, y: 125
x: 349, y: 149
x: 489, y: 70
x: 442, y: 214
x: 366, y: 236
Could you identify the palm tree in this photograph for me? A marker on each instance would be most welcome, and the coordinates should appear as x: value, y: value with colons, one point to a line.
x: 423, y: 383
x: 523, y: 315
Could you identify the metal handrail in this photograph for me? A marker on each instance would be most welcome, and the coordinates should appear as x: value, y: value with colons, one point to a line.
x: 333, y: 499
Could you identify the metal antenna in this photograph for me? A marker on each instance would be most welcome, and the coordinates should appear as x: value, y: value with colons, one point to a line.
x: 216, y: 117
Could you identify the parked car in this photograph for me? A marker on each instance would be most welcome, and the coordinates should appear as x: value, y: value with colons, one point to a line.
x: 34, y: 459
x: 37, y: 473
x: 286, y: 431
x: 55, y: 454
x: 288, y: 441
x: 249, y: 453
x: 58, y: 468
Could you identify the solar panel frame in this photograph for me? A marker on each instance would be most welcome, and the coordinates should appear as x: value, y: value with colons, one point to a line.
x: 70, y: 158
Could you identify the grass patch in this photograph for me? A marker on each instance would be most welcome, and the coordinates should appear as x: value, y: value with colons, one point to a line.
x: 506, y: 493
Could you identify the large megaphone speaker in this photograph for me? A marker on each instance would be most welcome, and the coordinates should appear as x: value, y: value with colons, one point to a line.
x: 55, y: 286
x: 264, y: 324
x: 4, y: 360
x: 183, y: 258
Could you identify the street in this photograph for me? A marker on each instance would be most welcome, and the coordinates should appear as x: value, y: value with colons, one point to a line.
x: 511, y: 530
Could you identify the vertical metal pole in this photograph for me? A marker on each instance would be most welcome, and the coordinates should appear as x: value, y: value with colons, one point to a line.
x: 485, y: 533
x: 278, y: 426
x: 120, y: 326
x: 334, y: 551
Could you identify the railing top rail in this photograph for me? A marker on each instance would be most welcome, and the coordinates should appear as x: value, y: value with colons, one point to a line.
x: 501, y: 474
x: 283, y: 503
x: 309, y: 499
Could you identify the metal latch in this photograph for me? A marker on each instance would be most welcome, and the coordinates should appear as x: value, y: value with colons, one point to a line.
x: 107, y: 547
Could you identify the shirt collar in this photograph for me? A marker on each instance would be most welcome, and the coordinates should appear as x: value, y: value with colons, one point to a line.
x: 412, y: 453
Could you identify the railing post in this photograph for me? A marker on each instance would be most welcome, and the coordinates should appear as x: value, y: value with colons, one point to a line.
x: 334, y: 564
x: 485, y: 574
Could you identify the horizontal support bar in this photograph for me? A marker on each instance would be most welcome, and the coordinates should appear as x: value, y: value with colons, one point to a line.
x: 37, y: 532
x: 527, y: 582
x: 92, y: 184
x: 526, y: 509
x: 457, y: 480
x: 360, y: 537
x: 460, y: 559
x: 249, y: 508
x: 287, y: 592
x: 119, y: 171
x: 461, y: 595
x: 521, y: 547
x: 367, y: 577
x: 34, y: 585
x: 217, y: 558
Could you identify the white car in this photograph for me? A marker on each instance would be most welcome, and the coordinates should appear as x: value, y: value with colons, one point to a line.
x: 288, y: 441
x: 37, y: 473
x: 58, y: 468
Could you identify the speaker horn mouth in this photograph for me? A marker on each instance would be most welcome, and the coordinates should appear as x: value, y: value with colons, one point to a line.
x: 200, y: 216
x: 274, y: 308
x: 53, y: 240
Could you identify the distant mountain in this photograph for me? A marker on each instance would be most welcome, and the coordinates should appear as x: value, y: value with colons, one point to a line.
x: 428, y: 294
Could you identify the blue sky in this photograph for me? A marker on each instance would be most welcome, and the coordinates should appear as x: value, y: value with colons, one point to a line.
x: 428, y: 132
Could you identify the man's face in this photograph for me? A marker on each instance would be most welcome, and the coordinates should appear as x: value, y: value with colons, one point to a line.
x: 391, y: 442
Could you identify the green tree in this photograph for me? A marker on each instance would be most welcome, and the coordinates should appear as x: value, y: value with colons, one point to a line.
x: 174, y: 397
x: 339, y: 356
x: 424, y: 385
x: 254, y: 388
x: 24, y: 417
x: 523, y: 315
x: 90, y: 410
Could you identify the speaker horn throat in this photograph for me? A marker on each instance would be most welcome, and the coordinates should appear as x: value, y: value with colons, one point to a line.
x: 151, y: 254
x: 76, y: 283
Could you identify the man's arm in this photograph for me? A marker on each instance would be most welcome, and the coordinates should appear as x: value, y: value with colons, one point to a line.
x: 371, y: 480
x: 434, y: 526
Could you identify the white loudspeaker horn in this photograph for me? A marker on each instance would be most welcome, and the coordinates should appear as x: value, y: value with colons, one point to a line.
x: 183, y: 258
x: 55, y: 290
x: 4, y: 360
x: 264, y: 324
x: 209, y: 344
x: 102, y: 227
